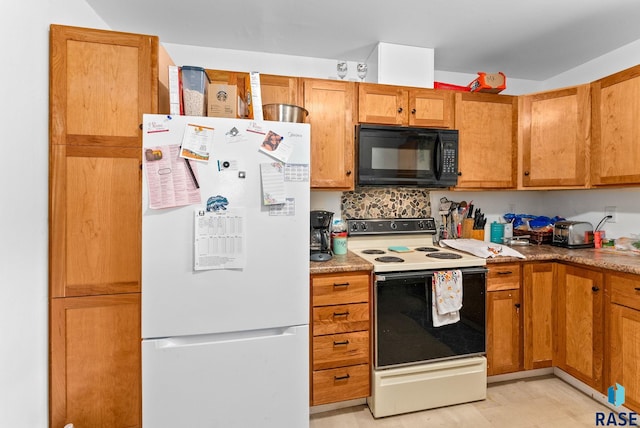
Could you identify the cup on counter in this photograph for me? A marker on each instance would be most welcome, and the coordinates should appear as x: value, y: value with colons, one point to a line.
x: 339, y: 243
x: 598, y: 236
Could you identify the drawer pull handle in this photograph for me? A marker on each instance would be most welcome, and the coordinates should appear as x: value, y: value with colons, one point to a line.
x: 594, y: 288
x: 341, y: 314
x: 342, y: 284
x: 637, y: 288
x: 506, y: 272
x: 345, y: 377
x: 343, y: 342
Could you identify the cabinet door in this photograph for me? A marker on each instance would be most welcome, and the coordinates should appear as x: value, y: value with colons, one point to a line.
x: 556, y: 133
x: 504, y: 343
x: 538, y: 306
x: 383, y: 104
x: 579, y: 348
x: 331, y: 106
x: 279, y: 89
x: 102, y: 82
x: 624, y: 344
x: 428, y: 107
x: 488, y: 143
x: 95, y: 361
x: 615, y: 157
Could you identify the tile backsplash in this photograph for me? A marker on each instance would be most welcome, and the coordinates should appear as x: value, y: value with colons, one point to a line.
x: 385, y: 202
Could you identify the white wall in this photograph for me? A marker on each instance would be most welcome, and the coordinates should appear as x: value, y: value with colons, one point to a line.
x: 24, y: 156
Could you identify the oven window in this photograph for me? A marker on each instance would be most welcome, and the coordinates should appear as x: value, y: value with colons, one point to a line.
x: 404, y: 328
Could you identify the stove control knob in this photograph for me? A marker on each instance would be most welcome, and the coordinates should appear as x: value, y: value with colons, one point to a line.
x: 363, y: 226
x: 393, y: 226
x: 420, y: 224
x: 354, y: 227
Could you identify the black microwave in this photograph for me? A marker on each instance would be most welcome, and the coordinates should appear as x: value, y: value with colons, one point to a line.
x: 402, y: 156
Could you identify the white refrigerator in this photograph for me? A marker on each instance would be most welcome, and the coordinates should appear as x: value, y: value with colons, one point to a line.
x: 225, y: 273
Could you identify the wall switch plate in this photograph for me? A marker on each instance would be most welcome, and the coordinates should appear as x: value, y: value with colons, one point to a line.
x: 610, y: 211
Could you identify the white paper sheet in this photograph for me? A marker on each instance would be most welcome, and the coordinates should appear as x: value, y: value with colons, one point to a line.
x: 196, y: 142
x: 169, y: 181
x: 273, y: 191
x: 219, y: 239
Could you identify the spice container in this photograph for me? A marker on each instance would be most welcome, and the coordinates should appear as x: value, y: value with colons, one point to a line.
x: 194, y: 90
x: 497, y: 232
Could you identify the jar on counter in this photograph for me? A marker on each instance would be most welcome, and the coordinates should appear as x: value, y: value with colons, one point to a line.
x: 339, y: 237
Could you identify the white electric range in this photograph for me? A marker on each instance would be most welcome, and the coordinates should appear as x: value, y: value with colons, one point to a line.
x: 418, y: 366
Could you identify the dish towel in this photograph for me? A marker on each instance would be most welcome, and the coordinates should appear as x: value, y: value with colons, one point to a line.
x: 446, y: 297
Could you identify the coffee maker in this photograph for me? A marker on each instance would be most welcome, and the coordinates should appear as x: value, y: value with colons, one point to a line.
x: 320, y: 236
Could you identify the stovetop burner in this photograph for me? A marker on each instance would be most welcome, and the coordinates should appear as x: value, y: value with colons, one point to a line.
x: 372, y: 252
x: 444, y: 255
x: 389, y: 259
x: 427, y: 249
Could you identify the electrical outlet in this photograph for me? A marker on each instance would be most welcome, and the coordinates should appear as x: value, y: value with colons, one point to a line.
x: 610, y: 211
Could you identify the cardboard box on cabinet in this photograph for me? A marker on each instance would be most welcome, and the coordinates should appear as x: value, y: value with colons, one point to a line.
x: 492, y: 83
x: 222, y: 100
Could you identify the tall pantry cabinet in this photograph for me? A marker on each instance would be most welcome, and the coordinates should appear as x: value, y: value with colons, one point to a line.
x: 101, y: 83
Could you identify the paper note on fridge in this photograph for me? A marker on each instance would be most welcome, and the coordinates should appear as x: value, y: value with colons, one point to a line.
x: 219, y: 239
x: 168, y: 180
x: 273, y: 191
x: 196, y: 142
x: 276, y: 146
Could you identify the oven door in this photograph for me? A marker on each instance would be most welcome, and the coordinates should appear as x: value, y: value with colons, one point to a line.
x: 404, y: 331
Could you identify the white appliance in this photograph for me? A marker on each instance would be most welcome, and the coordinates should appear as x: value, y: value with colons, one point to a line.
x: 419, y: 366
x: 225, y: 344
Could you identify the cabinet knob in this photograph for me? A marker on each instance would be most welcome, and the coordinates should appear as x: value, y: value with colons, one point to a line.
x: 459, y: 173
x: 594, y: 288
x: 517, y: 305
x: 348, y: 172
x: 413, y: 111
x: 526, y: 173
x: 399, y: 109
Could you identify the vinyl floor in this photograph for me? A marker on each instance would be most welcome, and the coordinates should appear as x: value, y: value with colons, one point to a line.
x: 541, y: 402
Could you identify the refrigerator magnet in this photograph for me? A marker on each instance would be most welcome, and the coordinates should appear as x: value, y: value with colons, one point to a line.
x: 217, y: 203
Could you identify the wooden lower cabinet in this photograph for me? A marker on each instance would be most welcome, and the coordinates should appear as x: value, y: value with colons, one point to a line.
x: 623, y: 336
x: 538, y: 304
x: 579, y: 326
x: 95, y: 361
x: 341, y: 339
x: 504, y: 333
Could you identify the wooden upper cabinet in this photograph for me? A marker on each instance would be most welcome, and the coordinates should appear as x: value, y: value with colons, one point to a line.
x: 398, y: 105
x: 279, y: 89
x: 487, y: 126
x: 332, y: 115
x: 102, y: 82
x: 556, y: 136
x: 615, y: 153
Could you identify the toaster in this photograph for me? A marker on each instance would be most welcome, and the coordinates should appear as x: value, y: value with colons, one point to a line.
x: 573, y: 234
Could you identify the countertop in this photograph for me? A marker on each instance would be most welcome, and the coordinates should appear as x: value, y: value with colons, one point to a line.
x: 603, y: 258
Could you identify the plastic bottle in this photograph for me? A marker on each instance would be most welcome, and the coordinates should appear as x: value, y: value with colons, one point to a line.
x: 339, y: 237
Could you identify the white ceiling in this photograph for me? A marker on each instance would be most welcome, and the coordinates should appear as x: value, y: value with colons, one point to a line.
x: 532, y: 40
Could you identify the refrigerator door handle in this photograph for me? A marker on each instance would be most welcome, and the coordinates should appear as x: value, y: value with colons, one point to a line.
x: 207, y: 339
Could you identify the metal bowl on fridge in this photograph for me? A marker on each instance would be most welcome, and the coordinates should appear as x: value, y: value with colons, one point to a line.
x: 284, y: 113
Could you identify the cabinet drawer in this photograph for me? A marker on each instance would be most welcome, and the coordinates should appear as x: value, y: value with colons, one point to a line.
x: 340, y: 289
x: 340, y: 318
x: 346, y: 383
x: 339, y: 350
x: 625, y: 290
x: 503, y: 277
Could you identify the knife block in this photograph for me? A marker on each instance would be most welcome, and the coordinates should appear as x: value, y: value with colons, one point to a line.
x: 477, y: 234
x: 467, y: 228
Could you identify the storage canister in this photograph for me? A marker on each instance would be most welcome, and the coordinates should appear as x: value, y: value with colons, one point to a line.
x: 194, y: 90
x: 497, y: 232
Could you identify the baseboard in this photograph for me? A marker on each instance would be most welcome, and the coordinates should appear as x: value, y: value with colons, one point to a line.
x: 335, y: 406
x: 586, y: 389
x: 520, y: 375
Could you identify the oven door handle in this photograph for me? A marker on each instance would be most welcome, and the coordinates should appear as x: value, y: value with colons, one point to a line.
x: 425, y: 274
